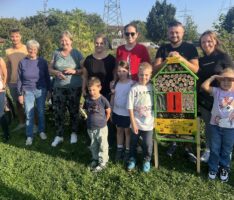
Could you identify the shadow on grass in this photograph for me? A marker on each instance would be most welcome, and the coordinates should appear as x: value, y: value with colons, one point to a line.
x: 11, y: 193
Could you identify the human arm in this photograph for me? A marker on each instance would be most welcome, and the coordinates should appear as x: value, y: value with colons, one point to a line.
x: 19, y: 85
x: 84, y: 81
x: 4, y: 71
x: 108, y: 113
x: 206, y: 85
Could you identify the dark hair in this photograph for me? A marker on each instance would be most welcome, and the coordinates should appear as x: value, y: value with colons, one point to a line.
x: 15, y: 30
x: 213, y: 36
x: 131, y: 24
x: 94, y: 81
x: 174, y: 23
x: 124, y: 64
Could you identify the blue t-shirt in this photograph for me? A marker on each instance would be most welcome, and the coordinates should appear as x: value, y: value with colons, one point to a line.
x: 96, y: 109
x: 32, y: 74
x: 61, y: 63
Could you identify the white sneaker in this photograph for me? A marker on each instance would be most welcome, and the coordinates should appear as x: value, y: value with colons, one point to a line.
x: 29, y: 141
x: 205, y: 156
x: 73, y: 138
x: 43, y: 136
x: 56, y: 141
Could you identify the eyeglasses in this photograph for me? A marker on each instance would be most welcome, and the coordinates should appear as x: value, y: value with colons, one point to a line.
x: 127, y: 34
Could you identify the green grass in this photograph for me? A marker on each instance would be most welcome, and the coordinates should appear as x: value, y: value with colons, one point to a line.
x: 43, y: 172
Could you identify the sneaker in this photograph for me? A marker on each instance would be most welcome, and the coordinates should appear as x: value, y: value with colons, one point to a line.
x: 43, y: 136
x: 99, y: 167
x: 29, y: 141
x: 212, y: 175
x: 205, y: 156
x: 17, y: 128
x: 56, y: 141
x: 119, y: 154
x: 131, y: 164
x: 93, y: 164
x: 73, y: 139
x: 171, y: 150
x: 224, y: 175
x: 192, y: 158
x: 146, y: 166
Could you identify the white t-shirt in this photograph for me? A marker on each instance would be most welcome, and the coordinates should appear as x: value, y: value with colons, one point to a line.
x: 121, y: 97
x: 140, y: 100
x: 222, y: 113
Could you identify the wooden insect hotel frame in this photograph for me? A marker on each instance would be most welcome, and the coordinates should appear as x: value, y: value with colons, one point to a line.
x: 175, y: 106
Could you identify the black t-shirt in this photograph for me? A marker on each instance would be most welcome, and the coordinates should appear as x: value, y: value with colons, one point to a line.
x: 102, y: 69
x: 186, y: 50
x: 209, y: 66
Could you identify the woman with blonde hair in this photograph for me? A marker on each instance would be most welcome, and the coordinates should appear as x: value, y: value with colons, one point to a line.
x: 213, y: 61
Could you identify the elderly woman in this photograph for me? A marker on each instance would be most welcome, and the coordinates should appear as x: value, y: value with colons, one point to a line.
x: 211, y: 63
x: 32, y: 85
x: 99, y: 64
x: 3, y: 78
x: 65, y: 66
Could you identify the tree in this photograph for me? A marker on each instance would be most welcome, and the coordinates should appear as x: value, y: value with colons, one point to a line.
x: 226, y: 37
x: 158, y: 19
x: 190, y: 27
x: 228, y: 23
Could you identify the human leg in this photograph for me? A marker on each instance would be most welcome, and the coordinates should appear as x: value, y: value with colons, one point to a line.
x: 103, y: 155
x: 3, y: 120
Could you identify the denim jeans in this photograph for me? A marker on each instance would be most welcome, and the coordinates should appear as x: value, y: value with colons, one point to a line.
x: 30, y: 97
x: 147, y: 144
x: 222, y: 141
x: 2, y: 103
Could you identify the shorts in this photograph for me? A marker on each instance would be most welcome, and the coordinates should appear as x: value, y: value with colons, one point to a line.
x: 121, y: 121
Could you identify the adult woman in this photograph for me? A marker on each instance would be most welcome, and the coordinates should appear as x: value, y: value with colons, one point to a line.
x: 212, y: 62
x: 99, y: 64
x: 32, y: 86
x: 3, y: 78
x: 132, y: 52
x: 65, y: 66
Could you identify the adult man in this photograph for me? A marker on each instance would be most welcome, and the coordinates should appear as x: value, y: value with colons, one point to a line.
x: 13, y: 55
x: 186, y: 53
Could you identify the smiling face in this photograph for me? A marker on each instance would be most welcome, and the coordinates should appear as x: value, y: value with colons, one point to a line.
x: 175, y: 34
x: 99, y: 45
x: 208, y: 44
x: 32, y: 52
x: 131, y: 35
x: 144, y: 76
x: 15, y: 38
x: 66, y: 42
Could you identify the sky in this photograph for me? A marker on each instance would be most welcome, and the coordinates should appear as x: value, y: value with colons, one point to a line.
x: 203, y: 12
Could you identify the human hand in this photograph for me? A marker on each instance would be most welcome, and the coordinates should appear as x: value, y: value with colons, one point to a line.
x: 60, y: 75
x: 134, y: 128
x: 69, y: 71
x: 21, y: 99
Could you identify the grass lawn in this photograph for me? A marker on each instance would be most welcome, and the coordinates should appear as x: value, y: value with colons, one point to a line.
x: 43, y: 172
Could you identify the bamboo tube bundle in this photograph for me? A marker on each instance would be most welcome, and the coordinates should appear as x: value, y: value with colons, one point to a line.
x: 174, y: 67
x: 166, y: 115
x: 188, y: 102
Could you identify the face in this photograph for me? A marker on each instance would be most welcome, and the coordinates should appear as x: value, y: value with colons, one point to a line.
x: 208, y: 44
x: 131, y: 35
x: 175, y: 34
x: 66, y: 42
x: 15, y: 38
x: 94, y: 90
x: 99, y: 45
x: 32, y: 52
x: 227, y: 82
x: 122, y: 73
x: 144, y: 76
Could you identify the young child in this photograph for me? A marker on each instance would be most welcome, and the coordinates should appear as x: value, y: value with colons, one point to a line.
x: 120, y: 115
x: 98, y: 109
x: 221, y: 123
x: 140, y: 105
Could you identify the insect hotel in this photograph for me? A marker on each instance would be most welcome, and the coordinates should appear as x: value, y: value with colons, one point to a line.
x: 175, y: 106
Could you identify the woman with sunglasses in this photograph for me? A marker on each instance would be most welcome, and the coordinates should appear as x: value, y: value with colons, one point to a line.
x: 132, y: 52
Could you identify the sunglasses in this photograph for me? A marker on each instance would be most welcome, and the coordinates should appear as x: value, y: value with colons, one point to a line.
x: 127, y: 34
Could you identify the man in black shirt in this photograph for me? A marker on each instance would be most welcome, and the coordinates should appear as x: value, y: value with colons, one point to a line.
x: 187, y: 53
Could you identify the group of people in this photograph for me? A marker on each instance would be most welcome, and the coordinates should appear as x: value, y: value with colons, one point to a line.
x: 118, y: 91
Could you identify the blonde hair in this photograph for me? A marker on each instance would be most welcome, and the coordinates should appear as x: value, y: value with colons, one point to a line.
x: 145, y: 65
x: 66, y: 33
x: 94, y: 81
